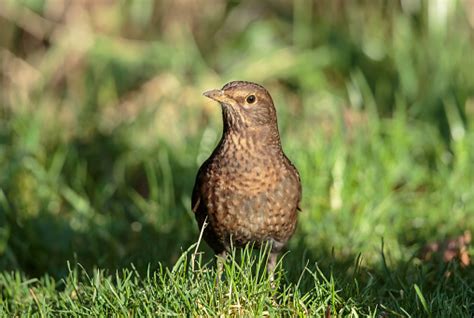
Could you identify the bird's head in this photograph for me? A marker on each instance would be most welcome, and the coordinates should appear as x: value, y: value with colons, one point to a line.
x: 245, y: 106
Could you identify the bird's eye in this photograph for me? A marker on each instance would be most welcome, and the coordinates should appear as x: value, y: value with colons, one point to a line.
x: 251, y: 99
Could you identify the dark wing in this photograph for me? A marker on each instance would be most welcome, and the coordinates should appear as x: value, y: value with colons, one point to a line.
x: 197, y: 190
x: 200, y: 183
x: 298, y: 207
x: 292, y: 167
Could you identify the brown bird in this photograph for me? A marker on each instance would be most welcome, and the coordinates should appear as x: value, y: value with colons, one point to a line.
x: 247, y: 191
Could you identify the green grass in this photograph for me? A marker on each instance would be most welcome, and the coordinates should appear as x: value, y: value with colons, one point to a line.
x: 191, y: 288
x: 103, y: 127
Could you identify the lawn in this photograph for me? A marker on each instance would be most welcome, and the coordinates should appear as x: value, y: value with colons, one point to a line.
x: 103, y: 127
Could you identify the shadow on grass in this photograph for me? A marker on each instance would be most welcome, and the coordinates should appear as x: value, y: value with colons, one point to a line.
x: 93, y: 225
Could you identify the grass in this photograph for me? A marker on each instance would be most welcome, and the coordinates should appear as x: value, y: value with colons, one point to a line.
x: 190, y: 288
x: 103, y: 127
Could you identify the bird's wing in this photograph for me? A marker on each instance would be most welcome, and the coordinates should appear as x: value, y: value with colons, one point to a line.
x: 196, y: 196
x: 297, y: 174
x: 298, y: 207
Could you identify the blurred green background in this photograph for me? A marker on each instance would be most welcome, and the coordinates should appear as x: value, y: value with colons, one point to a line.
x: 103, y: 125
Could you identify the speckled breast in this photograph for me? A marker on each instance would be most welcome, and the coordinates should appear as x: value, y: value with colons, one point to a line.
x: 252, y: 201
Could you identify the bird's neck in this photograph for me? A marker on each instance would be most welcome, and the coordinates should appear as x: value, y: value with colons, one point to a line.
x: 261, y: 137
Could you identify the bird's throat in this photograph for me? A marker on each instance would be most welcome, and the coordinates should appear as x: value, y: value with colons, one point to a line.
x: 252, y: 140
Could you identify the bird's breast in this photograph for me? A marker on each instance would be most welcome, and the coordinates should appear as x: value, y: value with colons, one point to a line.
x: 250, y: 192
x: 242, y: 167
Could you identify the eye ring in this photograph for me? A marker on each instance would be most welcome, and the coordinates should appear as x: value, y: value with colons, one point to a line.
x: 251, y: 99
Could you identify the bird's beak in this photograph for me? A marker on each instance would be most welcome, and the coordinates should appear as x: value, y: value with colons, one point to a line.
x: 218, y: 95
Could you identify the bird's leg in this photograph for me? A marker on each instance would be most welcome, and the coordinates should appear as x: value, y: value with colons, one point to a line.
x: 272, y: 260
x: 221, y: 258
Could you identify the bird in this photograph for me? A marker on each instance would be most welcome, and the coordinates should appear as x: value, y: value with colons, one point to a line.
x: 247, y: 191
